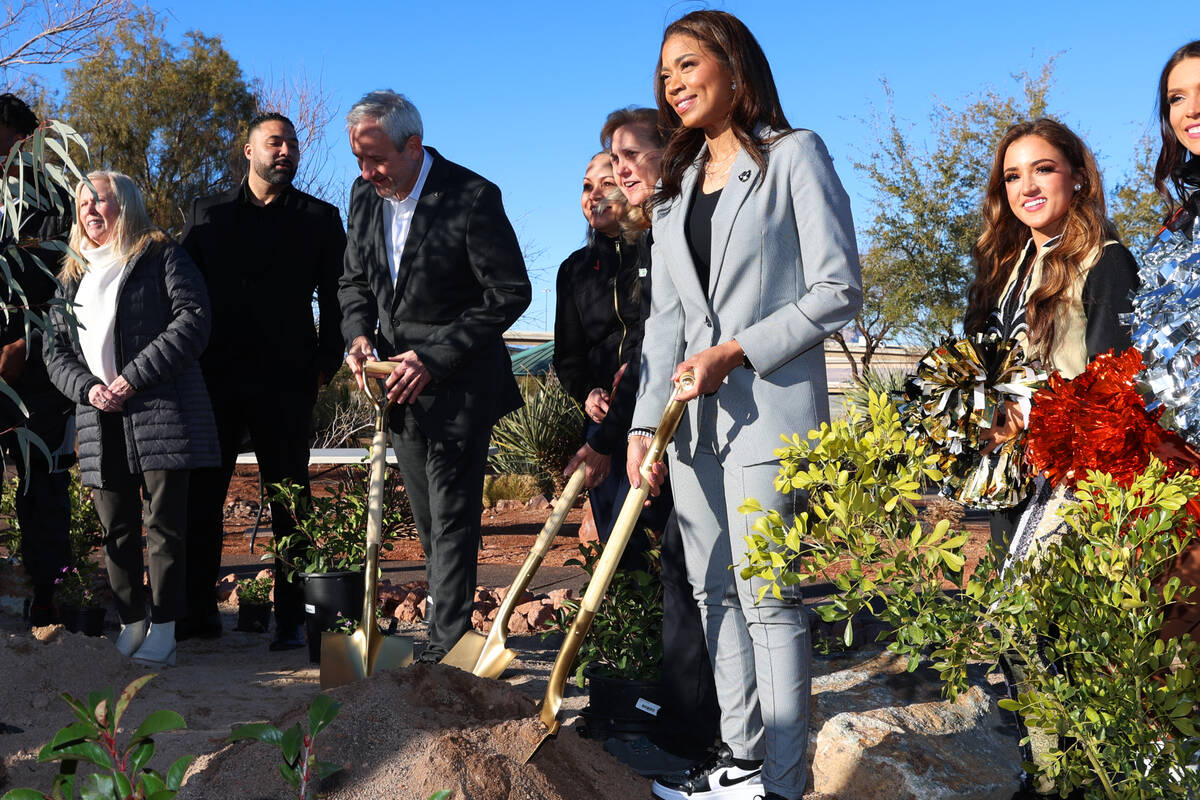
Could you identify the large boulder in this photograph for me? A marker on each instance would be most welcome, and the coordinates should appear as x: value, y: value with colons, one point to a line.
x: 880, y: 731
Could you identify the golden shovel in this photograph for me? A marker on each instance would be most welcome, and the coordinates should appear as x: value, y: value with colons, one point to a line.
x: 606, y: 567
x: 350, y: 657
x: 488, y: 656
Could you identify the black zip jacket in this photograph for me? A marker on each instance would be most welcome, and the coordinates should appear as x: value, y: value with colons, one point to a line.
x: 598, y: 327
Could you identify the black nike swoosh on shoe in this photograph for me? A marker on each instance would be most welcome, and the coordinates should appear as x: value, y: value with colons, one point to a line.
x: 725, y: 780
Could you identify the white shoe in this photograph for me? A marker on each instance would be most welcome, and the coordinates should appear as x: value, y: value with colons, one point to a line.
x: 131, y: 637
x: 159, y: 647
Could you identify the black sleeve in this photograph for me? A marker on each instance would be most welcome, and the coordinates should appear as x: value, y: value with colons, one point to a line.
x: 360, y: 312
x: 610, y: 435
x: 1107, y: 293
x: 570, y: 343
x: 330, y: 346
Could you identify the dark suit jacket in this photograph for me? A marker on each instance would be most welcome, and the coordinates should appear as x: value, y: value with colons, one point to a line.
x: 461, y: 283
x: 262, y: 266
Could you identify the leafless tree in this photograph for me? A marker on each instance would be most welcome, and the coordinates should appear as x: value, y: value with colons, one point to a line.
x: 310, y: 107
x: 351, y: 419
x: 42, y: 32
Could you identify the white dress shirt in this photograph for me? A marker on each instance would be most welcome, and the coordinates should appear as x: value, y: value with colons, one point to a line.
x: 397, y: 217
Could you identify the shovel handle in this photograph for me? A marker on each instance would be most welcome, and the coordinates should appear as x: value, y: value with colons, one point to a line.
x: 378, y: 369
x: 606, y: 567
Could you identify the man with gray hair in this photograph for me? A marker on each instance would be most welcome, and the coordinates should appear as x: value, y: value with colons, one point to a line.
x: 433, y: 277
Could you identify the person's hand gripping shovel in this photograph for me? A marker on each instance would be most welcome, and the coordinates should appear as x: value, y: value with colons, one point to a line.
x: 606, y: 567
x: 349, y: 657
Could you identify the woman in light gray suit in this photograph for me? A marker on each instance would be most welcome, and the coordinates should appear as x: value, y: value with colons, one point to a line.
x: 754, y: 263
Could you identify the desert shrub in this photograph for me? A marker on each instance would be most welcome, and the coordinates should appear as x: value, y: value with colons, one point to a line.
x: 343, y: 414
x: 540, y: 437
x: 511, y: 487
x: 1084, y: 616
x: 884, y: 382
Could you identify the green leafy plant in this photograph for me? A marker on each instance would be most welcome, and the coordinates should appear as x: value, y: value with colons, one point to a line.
x: 331, y: 530
x: 1083, y: 616
x: 540, y: 437
x: 123, y: 771
x: 625, y: 640
x: 254, y: 591
x: 300, y: 766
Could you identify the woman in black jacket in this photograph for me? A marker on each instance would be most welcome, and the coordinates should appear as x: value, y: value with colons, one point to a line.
x: 596, y: 323
x: 126, y: 339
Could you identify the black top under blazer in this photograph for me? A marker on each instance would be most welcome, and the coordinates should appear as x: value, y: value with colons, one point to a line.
x: 461, y: 283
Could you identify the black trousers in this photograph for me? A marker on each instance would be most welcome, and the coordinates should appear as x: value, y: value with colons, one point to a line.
x: 43, y: 502
x: 119, y: 506
x: 444, y: 482
x: 279, y: 424
x: 691, y: 716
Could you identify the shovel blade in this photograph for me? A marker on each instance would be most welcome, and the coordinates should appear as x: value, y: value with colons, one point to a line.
x: 348, y: 658
x: 483, y: 656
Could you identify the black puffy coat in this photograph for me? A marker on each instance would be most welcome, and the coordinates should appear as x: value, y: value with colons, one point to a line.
x: 162, y: 325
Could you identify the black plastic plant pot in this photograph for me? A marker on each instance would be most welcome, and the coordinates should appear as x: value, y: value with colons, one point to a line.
x: 68, y: 615
x: 91, y: 620
x: 620, y: 707
x: 253, y: 617
x: 326, y: 596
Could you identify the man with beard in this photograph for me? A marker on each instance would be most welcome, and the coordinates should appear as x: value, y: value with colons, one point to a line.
x: 264, y: 248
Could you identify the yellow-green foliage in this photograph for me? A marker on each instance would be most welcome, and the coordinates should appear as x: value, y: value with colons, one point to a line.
x: 510, y: 487
x: 1084, y: 616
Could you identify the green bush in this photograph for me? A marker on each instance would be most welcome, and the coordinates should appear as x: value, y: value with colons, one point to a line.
x: 625, y: 640
x: 540, y: 437
x: 1084, y: 616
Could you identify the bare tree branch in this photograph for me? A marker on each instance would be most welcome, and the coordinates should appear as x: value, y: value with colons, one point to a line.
x: 56, y: 32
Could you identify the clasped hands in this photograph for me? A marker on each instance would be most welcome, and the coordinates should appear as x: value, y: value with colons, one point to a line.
x: 110, y: 398
x: 409, y: 377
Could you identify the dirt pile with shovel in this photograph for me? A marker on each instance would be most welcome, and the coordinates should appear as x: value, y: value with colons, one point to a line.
x: 408, y: 733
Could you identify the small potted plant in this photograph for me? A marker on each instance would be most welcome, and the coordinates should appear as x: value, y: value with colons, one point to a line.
x: 254, y: 604
x: 329, y: 547
x: 621, y: 657
x: 78, y: 607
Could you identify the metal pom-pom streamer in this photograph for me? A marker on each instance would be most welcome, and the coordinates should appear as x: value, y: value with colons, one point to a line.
x: 1166, y: 329
x: 960, y: 388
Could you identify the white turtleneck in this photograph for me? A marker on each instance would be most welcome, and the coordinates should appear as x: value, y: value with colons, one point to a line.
x: 96, y: 310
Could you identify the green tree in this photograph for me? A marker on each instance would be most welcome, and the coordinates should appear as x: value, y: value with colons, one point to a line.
x: 170, y: 117
x: 1135, y: 207
x: 926, y: 192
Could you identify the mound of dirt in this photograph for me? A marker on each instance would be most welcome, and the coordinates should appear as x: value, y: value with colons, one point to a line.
x: 408, y: 733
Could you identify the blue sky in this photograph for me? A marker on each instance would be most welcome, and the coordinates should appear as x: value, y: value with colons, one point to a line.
x: 517, y: 91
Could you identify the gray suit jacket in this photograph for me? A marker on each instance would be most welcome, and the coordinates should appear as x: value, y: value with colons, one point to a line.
x: 785, y: 275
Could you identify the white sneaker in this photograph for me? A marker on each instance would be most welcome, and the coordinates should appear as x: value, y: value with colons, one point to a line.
x: 715, y: 778
x: 159, y: 647
x: 131, y: 637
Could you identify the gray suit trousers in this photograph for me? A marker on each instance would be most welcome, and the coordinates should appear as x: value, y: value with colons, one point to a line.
x: 760, y: 652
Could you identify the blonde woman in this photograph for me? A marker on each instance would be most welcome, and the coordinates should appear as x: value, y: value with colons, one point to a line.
x: 143, y: 415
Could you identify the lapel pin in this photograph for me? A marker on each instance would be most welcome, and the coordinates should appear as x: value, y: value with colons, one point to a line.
x: 744, y: 175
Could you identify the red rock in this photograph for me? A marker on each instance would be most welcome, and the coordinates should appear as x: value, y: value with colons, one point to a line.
x: 526, y: 608
x: 491, y: 614
x: 537, y: 503
x: 225, y: 587
x: 422, y: 606
x: 265, y: 573
x: 559, y: 596
x: 518, y: 625
x: 587, y: 527
x: 539, y: 617
x: 503, y: 506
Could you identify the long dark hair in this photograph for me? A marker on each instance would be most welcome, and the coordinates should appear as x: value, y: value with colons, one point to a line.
x: 1173, y: 154
x: 755, y: 99
x: 1085, y: 229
